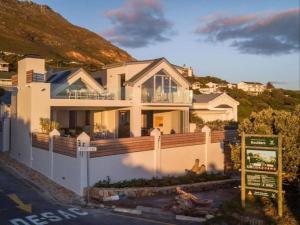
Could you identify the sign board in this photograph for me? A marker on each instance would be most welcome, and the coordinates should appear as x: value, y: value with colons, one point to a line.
x: 261, y: 172
x: 259, y: 159
x: 261, y: 141
x: 86, y: 149
x: 259, y: 193
x: 261, y: 180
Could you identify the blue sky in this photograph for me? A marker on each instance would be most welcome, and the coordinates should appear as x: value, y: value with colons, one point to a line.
x: 254, y: 40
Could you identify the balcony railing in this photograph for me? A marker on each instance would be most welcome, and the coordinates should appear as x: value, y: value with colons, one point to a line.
x: 179, y: 97
x: 89, y: 94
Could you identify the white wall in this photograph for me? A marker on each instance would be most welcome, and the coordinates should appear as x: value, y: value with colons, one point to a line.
x: 41, y: 161
x: 122, y: 167
x: 174, y: 161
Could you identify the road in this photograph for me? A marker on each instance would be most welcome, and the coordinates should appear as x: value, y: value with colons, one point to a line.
x: 23, y: 204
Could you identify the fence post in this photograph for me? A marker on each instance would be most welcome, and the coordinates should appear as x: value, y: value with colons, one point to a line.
x: 52, y: 134
x: 83, y: 140
x: 157, y: 151
x: 207, y: 132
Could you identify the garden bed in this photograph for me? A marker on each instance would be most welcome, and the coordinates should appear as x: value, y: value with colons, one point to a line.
x: 137, y: 191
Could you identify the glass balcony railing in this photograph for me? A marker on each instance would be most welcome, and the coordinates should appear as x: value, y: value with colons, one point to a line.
x: 179, y: 97
x: 84, y: 93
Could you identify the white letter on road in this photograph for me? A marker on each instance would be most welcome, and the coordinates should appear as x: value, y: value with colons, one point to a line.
x: 78, y: 212
x: 50, y: 216
x: 66, y: 215
x: 18, y: 221
x: 35, y: 220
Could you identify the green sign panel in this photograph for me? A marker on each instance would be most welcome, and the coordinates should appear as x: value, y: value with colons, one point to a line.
x: 257, y: 193
x: 262, y: 141
x: 262, y: 160
x: 261, y: 180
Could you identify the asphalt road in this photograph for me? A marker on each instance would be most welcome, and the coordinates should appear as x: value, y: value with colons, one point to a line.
x: 23, y: 204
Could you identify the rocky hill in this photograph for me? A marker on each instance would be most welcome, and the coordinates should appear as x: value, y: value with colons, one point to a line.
x: 30, y: 28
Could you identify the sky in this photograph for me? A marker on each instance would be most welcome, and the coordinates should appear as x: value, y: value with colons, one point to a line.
x: 235, y: 40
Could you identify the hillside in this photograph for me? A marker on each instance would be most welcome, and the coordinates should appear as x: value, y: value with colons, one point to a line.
x: 206, y: 79
x: 278, y: 99
x: 30, y: 28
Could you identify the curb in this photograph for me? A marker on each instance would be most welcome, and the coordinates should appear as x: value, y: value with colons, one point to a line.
x: 127, y: 210
x: 190, y: 218
x: 152, y: 210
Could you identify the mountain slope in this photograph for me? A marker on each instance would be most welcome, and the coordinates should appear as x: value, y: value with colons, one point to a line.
x: 27, y: 27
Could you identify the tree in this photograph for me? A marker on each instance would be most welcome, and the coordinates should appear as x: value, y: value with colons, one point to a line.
x: 269, y: 85
x: 2, y: 92
x: 270, y: 121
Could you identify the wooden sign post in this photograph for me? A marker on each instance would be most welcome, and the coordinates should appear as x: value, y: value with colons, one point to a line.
x: 261, y: 167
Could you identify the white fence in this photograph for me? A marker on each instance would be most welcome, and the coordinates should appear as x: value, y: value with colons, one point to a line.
x: 126, y: 158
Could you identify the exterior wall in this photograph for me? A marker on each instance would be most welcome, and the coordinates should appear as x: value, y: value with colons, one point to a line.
x: 174, y: 161
x: 255, y: 88
x: 210, y: 115
x: 215, y: 157
x: 41, y: 161
x: 123, y: 167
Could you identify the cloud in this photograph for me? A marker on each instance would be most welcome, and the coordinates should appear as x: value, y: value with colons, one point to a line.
x: 138, y: 23
x: 275, y: 34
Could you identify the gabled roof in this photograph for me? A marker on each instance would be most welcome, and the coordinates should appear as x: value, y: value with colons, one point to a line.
x: 61, y: 76
x: 151, y: 66
x: 205, y: 98
x: 223, y: 106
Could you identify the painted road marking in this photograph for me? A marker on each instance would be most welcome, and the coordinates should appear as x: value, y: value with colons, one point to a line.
x: 49, y: 217
x: 25, y: 207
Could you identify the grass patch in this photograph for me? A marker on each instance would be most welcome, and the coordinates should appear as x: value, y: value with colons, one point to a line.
x: 189, y: 178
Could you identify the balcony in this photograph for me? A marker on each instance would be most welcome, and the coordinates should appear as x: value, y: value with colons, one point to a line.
x: 88, y: 93
x: 178, y: 97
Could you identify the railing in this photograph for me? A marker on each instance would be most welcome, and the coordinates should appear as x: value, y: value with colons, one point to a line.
x: 65, y: 146
x: 224, y: 135
x: 180, y: 140
x: 181, y: 97
x: 90, y: 94
x: 5, y: 82
x: 40, y: 140
x: 122, y: 146
x: 31, y: 76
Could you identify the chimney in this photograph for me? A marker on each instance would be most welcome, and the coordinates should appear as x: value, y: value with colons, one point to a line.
x: 30, y: 63
x: 190, y: 72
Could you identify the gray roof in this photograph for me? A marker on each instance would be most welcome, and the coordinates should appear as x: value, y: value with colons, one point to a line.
x: 249, y: 82
x: 205, y: 98
x: 223, y: 106
x: 61, y: 76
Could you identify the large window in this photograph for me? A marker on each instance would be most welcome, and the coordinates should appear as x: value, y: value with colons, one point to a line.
x: 159, y: 88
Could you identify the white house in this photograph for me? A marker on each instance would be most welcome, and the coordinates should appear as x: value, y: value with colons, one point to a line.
x: 4, y: 66
x: 251, y: 87
x: 215, y: 106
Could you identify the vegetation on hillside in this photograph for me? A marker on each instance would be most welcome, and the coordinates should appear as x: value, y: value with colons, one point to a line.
x: 206, y: 79
x: 278, y: 99
x: 30, y: 28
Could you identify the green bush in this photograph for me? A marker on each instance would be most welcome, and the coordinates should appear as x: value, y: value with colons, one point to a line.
x: 189, y: 178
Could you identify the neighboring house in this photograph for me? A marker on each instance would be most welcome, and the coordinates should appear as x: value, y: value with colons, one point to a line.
x: 215, y: 106
x: 5, y: 79
x: 231, y: 85
x: 4, y: 66
x: 251, y: 87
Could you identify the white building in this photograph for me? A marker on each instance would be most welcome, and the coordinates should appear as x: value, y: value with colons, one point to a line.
x: 4, y: 66
x: 215, y: 106
x: 251, y: 87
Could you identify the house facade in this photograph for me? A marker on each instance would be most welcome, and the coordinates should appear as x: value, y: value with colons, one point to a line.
x: 215, y: 106
x: 251, y: 87
x: 121, y: 100
x: 4, y: 66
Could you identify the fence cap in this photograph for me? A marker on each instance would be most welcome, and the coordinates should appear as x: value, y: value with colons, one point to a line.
x: 54, y: 132
x: 84, y: 139
x: 155, y: 132
x: 206, y: 129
